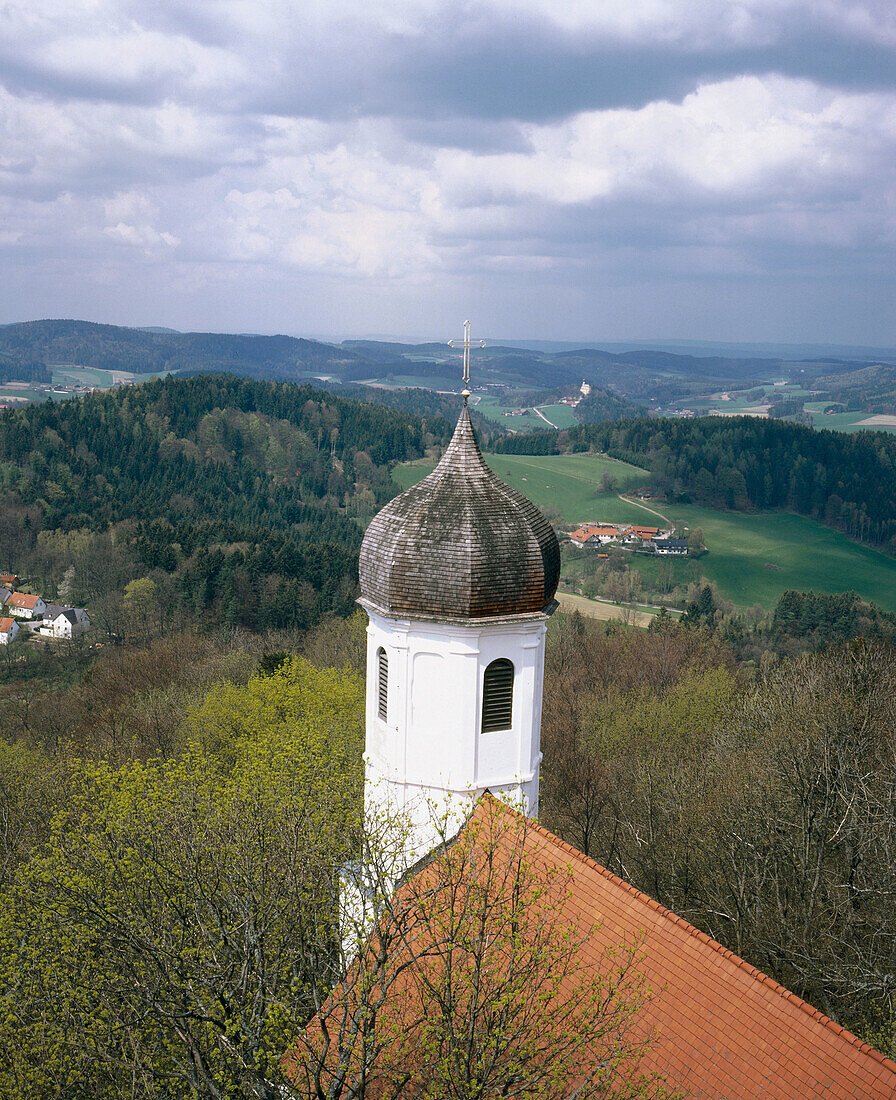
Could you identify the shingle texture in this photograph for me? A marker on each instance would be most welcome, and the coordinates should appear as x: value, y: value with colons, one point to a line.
x: 460, y: 544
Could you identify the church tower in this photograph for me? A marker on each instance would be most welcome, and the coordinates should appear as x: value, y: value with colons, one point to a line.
x: 458, y: 576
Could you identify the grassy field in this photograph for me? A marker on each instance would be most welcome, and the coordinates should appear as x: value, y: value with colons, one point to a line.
x: 423, y: 381
x: 842, y: 422
x: 492, y: 409
x: 565, y: 482
x: 69, y: 374
x: 753, y: 558
x: 21, y: 395
x: 561, y: 416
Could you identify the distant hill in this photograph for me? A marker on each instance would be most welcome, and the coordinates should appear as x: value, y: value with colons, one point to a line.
x: 111, y: 347
x: 869, y: 387
x: 630, y: 379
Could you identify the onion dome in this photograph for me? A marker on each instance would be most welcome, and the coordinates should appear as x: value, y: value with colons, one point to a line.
x: 460, y: 544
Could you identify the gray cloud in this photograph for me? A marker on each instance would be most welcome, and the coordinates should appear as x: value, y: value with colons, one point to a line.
x: 224, y: 159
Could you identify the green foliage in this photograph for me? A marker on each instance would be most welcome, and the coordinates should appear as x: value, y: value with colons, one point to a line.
x: 162, y: 938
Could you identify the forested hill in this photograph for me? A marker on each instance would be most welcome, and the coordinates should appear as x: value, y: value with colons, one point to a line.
x: 112, y: 347
x: 743, y: 463
x: 240, y: 500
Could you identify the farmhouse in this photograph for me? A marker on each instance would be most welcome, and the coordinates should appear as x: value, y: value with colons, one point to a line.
x: 64, y: 622
x: 641, y: 532
x: 25, y: 606
x: 670, y: 546
x: 594, y: 534
x: 9, y: 628
x: 458, y: 576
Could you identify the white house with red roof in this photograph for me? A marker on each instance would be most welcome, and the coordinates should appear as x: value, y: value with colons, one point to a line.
x: 25, y: 606
x: 9, y: 628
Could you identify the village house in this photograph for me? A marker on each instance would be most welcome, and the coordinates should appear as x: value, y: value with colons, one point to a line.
x: 641, y: 533
x: 64, y: 622
x: 594, y: 534
x: 9, y: 628
x: 25, y: 606
x: 670, y: 546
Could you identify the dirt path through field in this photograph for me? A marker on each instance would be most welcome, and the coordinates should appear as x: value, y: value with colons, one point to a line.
x: 637, y: 503
x: 597, y: 610
x: 538, y: 412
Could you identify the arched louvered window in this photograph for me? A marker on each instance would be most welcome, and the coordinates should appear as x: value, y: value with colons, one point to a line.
x: 497, y: 696
x: 382, y: 683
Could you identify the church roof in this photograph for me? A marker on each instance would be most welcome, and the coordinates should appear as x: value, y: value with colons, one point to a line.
x: 460, y: 544
x: 722, y: 1028
x: 716, y: 1027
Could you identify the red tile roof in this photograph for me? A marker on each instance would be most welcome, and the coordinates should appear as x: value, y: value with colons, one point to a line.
x: 6, y: 625
x: 22, y: 599
x: 590, y: 529
x: 723, y: 1030
x: 719, y: 1029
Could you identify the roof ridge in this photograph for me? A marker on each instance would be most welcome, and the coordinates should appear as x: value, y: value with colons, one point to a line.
x: 742, y: 964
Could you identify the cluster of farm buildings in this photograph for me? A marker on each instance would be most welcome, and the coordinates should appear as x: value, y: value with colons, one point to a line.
x: 24, y: 611
x: 648, y: 540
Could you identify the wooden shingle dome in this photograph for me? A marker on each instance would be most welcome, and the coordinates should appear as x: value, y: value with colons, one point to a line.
x: 460, y: 544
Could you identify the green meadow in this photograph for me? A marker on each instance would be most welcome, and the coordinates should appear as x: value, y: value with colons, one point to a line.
x: 66, y: 374
x: 567, y: 483
x: 561, y: 416
x: 492, y: 409
x: 755, y: 557
x: 752, y: 557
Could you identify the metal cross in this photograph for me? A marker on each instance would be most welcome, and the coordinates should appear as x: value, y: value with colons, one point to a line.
x: 466, y: 344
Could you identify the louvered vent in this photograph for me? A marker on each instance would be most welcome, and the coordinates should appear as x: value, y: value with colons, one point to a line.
x: 382, y: 683
x: 497, y: 696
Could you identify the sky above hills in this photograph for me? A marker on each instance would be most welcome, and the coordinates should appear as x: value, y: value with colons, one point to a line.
x: 584, y: 170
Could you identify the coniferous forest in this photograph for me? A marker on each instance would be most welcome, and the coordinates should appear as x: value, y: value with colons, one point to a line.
x: 242, y: 502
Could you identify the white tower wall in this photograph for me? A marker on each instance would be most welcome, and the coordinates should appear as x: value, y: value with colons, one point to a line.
x: 428, y: 761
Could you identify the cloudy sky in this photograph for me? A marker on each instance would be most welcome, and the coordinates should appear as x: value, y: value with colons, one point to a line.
x: 560, y: 169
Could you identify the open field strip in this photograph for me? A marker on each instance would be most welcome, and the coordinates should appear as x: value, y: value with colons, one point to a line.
x: 845, y: 421
x: 492, y: 409
x: 878, y: 421
x: 597, y: 609
x: 756, y: 557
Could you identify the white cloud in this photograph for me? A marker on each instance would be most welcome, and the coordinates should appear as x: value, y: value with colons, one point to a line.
x: 747, y: 138
x: 345, y: 141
